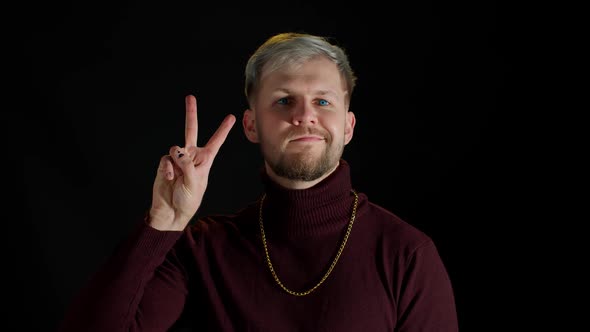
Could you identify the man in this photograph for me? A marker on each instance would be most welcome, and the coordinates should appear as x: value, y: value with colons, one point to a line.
x: 311, y: 254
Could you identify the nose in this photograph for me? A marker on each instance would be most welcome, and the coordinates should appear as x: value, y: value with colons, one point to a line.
x: 304, y: 114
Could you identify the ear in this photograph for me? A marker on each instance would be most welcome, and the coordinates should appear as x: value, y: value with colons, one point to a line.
x: 249, y: 124
x: 349, y: 127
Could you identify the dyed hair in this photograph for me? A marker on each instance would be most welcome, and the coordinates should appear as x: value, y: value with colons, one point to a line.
x: 292, y: 49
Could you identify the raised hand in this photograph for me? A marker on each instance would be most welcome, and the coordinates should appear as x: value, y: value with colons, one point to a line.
x: 183, y: 174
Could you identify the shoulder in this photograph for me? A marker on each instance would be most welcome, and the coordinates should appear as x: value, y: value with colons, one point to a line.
x: 391, y: 231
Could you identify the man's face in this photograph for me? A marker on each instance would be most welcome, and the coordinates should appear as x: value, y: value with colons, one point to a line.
x: 300, y: 118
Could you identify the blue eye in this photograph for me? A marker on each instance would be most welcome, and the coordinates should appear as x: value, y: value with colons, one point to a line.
x: 283, y: 101
x: 323, y: 102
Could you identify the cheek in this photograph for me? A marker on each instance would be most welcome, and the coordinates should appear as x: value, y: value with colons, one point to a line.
x: 271, y: 130
x: 335, y: 125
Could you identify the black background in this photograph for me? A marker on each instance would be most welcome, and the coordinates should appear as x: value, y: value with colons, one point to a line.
x: 104, y: 86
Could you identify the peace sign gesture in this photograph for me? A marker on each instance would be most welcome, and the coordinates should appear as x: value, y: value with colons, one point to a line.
x: 183, y: 173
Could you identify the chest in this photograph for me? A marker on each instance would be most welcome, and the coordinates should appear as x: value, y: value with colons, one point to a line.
x: 240, y: 293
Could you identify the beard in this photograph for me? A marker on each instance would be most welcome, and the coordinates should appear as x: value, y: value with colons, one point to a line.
x: 304, y: 165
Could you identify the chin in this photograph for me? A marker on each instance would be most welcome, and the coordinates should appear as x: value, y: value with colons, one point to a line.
x: 303, y: 166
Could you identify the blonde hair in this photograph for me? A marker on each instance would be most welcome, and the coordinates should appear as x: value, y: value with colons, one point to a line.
x: 290, y: 48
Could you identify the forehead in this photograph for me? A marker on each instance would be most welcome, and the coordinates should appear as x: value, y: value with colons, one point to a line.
x: 318, y: 73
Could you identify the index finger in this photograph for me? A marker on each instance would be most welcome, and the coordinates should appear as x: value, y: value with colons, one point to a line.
x: 191, y: 124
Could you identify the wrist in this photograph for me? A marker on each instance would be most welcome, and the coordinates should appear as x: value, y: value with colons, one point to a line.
x: 163, y: 220
x: 167, y: 219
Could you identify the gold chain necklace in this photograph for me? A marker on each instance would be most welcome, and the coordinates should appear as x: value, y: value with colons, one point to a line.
x: 269, y: 263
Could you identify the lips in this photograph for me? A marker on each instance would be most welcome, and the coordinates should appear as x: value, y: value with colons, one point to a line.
x: 307, y: 139
x: 306, y: 135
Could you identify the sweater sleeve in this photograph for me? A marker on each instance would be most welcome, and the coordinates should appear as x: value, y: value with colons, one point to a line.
x: 427, y: 303
x: 141, y: 287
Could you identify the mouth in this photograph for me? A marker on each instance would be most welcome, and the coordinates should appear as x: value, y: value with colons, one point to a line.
x: 307, y: 138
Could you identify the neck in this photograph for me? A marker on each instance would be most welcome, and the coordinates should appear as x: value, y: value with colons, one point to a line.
x: 323, y: 208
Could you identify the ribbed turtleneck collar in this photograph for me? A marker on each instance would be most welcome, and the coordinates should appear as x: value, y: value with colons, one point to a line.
x: 325, y: 207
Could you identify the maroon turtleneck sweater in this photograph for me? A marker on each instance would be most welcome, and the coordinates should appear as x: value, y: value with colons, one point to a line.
x: 214, y: 276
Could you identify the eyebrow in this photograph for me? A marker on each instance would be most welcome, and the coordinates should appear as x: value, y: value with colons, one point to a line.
x: 318, y: 92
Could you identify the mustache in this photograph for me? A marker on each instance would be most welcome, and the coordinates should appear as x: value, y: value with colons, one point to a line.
x: 298, y: 132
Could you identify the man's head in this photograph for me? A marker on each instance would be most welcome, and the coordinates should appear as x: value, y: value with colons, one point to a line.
x: 292, y: 49
x: 299, y: 88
